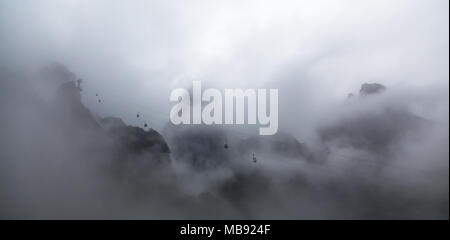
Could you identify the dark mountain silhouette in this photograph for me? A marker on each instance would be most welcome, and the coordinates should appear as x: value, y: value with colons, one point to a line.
x: 375, y: 131
x: 371, y: 88
x: 368, y: 89
x: 68, y: 163
x: 64, y: 118
x: 200, y: 147
x: 67, y: 103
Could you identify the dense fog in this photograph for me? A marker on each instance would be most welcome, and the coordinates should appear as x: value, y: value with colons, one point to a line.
x: 363, y: 110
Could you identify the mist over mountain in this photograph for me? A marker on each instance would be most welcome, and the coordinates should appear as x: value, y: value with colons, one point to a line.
x: 363, y: 109
x: 60, y: 160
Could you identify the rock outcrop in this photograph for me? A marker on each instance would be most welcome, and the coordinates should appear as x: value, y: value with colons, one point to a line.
x: 371, y: 88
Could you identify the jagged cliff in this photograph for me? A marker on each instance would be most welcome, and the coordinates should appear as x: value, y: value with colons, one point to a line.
x: 128, y: 151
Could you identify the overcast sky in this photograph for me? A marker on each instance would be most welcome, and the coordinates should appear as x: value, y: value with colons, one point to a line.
x: 134, y: 53
x: 368, y: 157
